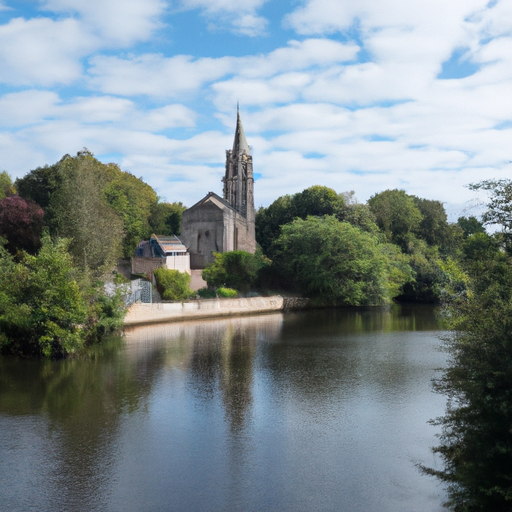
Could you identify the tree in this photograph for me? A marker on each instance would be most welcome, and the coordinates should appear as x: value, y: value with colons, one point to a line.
x: 42, y: 311
x: 80, y: 213
x: 6, y: 186
x: 316, y: 200
x: 173, y: 284
x: 335, y: 263
x: 40, y: 184
x: 133, y: 200
x: 396, y: 214
x: 470, y: 225
x: 165, y: 218
x: 476, y: 439
x: 21, y: 222
x: 234, y: 269
x: 433, y: 227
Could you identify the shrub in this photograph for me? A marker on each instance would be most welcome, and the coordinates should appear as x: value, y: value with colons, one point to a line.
x: 238, y: 269
x: 206, y: 293
x: 173, y: 284
x: 226, y: 292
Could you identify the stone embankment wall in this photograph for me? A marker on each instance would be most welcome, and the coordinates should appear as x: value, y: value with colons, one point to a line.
x: 175, y: 311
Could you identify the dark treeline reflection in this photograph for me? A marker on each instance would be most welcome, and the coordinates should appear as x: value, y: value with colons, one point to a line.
x: 79, y: 405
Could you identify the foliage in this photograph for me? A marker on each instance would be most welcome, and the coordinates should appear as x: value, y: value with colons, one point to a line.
x: 335, y: 263
x: 470, y: 225
x: 129, y: 197
x: 21, y: 223
x: 40, y: 184
x: 42, y: 311
x: 227, y: 293
x: 165, y: 218
x: 6, y: 186
x: 206, y: 293
x: 47, y: 308
x: 236, y: 269
x: 317, y: 200
x: 433, y: 227
x: 396, y: 215
x: 173, y: 284
x: 134, y: 202
x: 79, y: 212
x: 476, y: 438
x: 499, y: 207
x: 361, y: 216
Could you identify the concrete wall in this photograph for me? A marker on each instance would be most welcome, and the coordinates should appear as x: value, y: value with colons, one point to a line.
x: 181, y: 263
x: 175, y: 311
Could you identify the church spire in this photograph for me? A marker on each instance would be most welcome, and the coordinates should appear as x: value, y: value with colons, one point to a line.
x: 240, y: 143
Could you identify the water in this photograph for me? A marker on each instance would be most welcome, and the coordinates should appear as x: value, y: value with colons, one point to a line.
x: 312, y: 411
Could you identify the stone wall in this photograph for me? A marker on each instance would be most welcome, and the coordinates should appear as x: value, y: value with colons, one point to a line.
x: 146, y: 265
x: 176, y: 311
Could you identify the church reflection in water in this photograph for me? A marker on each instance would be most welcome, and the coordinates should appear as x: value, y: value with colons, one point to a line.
x: 216, y: 356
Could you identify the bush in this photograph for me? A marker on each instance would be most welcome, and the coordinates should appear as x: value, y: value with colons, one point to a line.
x: 173, y: 284
x: 206, y: 293
x: 237, y: 269
x: 226, y: 292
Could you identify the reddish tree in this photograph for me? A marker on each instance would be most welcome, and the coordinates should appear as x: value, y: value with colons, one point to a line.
x: 21, y: 223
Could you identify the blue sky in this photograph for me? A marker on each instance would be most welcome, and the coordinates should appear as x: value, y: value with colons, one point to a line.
x: 360, y: 95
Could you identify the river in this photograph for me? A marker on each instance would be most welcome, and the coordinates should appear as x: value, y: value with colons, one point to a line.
x: 322, y: 410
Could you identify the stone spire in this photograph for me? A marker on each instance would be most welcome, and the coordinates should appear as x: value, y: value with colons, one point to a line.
x: 240, y: 143
x: 238, y: 179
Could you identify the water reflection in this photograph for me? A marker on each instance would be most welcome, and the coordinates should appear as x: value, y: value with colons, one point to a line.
x: 318, y: 410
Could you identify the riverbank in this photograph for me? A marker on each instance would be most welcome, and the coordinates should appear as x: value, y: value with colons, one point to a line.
x: 139, y: 314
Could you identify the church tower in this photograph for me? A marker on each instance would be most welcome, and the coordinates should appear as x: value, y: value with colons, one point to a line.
x: 239, y: 180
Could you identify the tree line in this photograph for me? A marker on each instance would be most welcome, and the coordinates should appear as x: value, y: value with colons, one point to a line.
x: 62, y: 229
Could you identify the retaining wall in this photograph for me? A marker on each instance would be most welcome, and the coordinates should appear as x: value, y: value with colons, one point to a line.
x: 175, y: 311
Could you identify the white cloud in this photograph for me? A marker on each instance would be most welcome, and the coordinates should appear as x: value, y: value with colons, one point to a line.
x: 42, y: 51
x: 154, y: 74
x: 238, y: 15
x: 118, y: 22
x: 27, y: 107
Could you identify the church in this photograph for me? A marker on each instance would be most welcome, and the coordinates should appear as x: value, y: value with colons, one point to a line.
x: 221, y: 224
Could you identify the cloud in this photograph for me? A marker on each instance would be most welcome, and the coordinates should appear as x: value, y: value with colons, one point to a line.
x: 42, y: 51
x: 238, y: 16
x: 115, y: 22
x: 156, y: 75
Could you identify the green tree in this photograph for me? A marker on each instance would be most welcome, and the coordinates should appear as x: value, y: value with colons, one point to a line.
x: 316, y: 200
x: 42, y: 311
x: 6, y: 186
x: 134, y: 202
x: 165, y: 218
x: 433, y: 227
x: 470, y: 225
x: 40, y: 184
x: 79, y: 212
x: 234, y: 269
x: 335, y: 263
x: 396, y: 214
x: 476, y: 439
x: 173, y: 284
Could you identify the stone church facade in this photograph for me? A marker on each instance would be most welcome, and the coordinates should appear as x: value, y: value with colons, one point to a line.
x: 221, y: 224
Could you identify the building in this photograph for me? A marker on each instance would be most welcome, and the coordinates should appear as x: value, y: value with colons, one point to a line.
x: 160, y: 251
x: 221, y: 224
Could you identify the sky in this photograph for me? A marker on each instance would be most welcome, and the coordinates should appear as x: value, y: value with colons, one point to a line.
x: 362, y: 95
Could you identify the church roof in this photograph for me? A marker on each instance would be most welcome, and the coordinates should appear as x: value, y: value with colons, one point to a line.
x: 240, y: 142
x: 209, y: 196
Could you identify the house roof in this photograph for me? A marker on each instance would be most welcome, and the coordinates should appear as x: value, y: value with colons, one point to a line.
x: 169, y: 243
